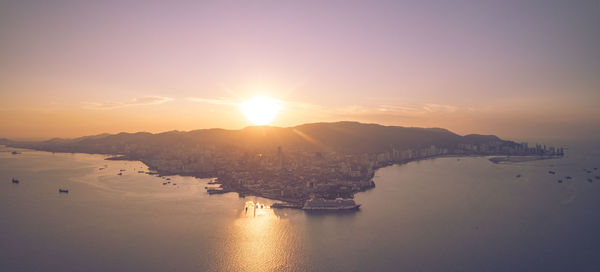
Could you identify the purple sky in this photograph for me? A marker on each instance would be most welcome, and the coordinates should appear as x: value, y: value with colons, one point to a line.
x: 518, y: 69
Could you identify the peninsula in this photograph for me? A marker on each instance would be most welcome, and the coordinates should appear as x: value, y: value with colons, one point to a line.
x: 325, y: 160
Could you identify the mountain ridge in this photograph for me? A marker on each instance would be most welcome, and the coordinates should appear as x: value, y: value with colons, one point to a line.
x: 343, y: 136
x: 328, y: 160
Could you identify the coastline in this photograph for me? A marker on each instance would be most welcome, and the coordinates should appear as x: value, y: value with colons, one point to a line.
x: 294, y: 202
x: 243, y: 193
x: 517, y: 159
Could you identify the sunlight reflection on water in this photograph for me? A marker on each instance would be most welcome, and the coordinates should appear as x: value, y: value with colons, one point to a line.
x: 418, y: 212
x: 259, y: 240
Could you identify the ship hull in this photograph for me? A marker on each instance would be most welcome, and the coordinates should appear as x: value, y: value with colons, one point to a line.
x: 332, y: 209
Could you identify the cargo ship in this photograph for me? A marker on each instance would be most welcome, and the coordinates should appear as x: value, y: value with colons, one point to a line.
x: 338, y: 204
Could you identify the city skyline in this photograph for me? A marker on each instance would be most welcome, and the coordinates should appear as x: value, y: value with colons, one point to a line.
x: 515, y: 69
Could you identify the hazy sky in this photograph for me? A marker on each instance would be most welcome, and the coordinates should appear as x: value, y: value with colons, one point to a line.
x: 518, y: 69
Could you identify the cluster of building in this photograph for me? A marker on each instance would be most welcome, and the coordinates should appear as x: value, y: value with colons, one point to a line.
x: 503, y: 148
x: 295, y: 174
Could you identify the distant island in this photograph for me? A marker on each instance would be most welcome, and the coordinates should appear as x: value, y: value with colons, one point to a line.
x: 293, y: 164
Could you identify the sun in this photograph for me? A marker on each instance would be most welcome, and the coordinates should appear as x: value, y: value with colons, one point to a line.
x: 260, y: 110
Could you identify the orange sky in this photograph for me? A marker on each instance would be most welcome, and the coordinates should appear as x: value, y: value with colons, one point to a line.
x: 517, y: 70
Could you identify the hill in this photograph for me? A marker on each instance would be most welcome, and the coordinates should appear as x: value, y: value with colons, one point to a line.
x: 345, y: 137
x: 292, y: 163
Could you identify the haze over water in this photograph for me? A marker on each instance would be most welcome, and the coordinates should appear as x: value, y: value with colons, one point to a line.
x: 299, y: 100
x: 445, y: 214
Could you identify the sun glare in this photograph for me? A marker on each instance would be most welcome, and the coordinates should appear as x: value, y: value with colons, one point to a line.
x: 261, y: 110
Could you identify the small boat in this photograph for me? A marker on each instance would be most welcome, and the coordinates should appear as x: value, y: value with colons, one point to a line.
x: 100, y: 168
x: 174, y: 183
x: 551, y: 172
x: 168, y: 178
x: 63, y: 191
x: 15, y: 152
x: 120, y: 174
x: 164, y: 183
x: 560, y: 181
x: 589, y: 180
x: 597, y: 177
x: 15, y: 181
x: 568, y: 177
x: 123, y: 170
x: 595, y: 168
x: 519, y: 175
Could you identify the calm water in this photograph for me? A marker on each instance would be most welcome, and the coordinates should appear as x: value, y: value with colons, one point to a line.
x: 446, y: 214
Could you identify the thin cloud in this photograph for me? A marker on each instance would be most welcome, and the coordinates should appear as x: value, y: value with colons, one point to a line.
x: 140, y: 101
x: 395, y: 111
x: 349, y: 111
x: 218, y: 101
x: 439, y: 108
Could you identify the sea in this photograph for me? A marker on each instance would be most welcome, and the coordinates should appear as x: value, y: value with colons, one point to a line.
x: 443, y: 214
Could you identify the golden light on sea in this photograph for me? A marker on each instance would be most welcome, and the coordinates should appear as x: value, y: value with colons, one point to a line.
x: 260, y: 239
